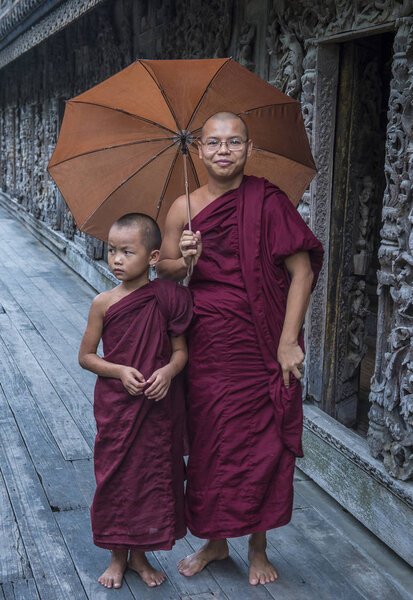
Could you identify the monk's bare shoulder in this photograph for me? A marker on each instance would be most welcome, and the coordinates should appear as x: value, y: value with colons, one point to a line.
x: 178, y: 213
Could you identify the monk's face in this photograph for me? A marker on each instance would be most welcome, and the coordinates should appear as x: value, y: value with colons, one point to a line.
x: 128, y: 257
x: 221, y: 161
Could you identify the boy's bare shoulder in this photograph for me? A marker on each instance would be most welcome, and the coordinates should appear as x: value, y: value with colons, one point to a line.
x: 103, y: 300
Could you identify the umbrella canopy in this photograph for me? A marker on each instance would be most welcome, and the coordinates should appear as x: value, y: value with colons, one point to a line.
x: 122, y: 143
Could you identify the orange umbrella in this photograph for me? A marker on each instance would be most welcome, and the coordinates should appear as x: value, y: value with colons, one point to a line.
x: 125, y: 144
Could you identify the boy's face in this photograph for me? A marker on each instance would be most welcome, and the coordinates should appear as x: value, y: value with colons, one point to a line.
x: 128, y: 258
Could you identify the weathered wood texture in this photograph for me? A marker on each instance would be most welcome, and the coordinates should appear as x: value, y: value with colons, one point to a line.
x: 46, y: 472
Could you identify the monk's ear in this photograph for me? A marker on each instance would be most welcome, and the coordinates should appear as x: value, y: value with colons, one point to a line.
x: 249, y: 147
x: 199, y: 148
x: 154, y: 257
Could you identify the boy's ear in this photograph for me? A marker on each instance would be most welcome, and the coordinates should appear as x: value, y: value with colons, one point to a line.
x: 154, y: 257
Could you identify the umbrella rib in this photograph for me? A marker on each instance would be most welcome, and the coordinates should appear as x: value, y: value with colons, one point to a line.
x: 194, y: 173
x: 110, y: 148
x: 165, y: 97
x: 168, y: 178
x: 125, y: 112
x: 205, y: 92
x: 126, y: 181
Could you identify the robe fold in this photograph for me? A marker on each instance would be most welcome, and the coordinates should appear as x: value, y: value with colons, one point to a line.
x: 244, y: 425
x: 138, y: 455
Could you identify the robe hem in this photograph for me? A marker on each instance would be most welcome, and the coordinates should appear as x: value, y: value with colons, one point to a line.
x: 138, y: 547
x: 246, y: 530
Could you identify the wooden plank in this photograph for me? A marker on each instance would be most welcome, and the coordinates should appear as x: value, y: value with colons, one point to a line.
x: 84, y: 478
x: 201, y: 584
x: 73, y: 288
x: 364, y: 576
x: 24, y: 589
x: 369, y: 493
x: 314, y: 568
x: 231, y: 575
x: 207, y: 596
x: 57, y: 476
x: 77, y: 402
x: 90, y: 561
x: 76, y: 317
x: 49, y: 560
x: 64, y: 430
x: 35, y: 297
x: 13, y: 559
x: 398, y: 572
x: 289, y: 585
x: 57, y: 343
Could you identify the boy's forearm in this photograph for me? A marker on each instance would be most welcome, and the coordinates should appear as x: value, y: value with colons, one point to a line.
x: 100, y: 366
x: 177, y: 362
x: 172, y: 268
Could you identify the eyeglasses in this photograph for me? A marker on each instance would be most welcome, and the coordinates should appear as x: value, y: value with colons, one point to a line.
x: 233, y: 144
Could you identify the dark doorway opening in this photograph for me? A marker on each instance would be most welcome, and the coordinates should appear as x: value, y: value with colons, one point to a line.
x: 357, y: 197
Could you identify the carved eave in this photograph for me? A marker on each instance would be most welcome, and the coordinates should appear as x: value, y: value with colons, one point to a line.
x: 29, y: 22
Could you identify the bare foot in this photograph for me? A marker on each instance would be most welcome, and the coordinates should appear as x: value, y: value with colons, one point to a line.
x: 261, y: 570
x: 194, y: 563
x: 113, y: 576
x: 139, y: 563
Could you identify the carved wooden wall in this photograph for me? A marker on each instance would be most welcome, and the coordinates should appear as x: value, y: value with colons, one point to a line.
x: 295, y: 46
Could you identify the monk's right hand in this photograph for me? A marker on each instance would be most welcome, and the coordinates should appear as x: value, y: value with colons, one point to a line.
x: 133, y: 381
x: 190, y: 245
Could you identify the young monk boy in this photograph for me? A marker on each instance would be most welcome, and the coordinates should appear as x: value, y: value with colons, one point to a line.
x: 139, y: 408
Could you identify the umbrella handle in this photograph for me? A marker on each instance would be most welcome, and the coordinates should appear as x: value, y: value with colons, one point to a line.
x: 188, y: 208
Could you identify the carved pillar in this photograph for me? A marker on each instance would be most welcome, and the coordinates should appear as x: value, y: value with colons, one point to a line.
x: 391, y: 415
x: 25, y: 166
x: 9, y: 130
x: 323, y: 110
x: 2, y: 149
x: 38, y: 167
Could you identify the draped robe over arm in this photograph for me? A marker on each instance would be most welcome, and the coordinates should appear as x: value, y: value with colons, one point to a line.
x: 244, y: 425
x: 139, y: 469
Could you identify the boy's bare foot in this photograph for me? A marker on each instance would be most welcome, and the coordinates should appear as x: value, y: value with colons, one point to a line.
x: 194, y: 563
x: 113, y: 576
x: 261, y: 570
x: 139, y: 563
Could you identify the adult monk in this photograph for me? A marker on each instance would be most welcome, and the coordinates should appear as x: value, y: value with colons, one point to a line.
x: 255, y: 265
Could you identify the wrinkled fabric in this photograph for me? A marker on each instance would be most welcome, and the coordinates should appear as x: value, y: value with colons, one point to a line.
x: 244, y: 425
x: 138, y: 453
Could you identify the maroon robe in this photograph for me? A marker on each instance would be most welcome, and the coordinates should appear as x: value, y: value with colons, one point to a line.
x: 244, y: 425
x: 139, y: 469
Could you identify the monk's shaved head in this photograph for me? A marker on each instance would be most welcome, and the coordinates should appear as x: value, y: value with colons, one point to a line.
x: 225, y: 116
x: 150, y: 232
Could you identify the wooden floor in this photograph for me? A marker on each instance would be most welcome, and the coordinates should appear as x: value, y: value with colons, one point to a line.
x: 46, y: 479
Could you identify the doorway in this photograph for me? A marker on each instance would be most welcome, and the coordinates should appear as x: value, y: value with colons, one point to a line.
x: 357, y: 194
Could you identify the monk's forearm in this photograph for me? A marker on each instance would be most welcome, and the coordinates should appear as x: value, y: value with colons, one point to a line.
x: 172, y: 268
x: 297, y: 303
x: 100, y: 366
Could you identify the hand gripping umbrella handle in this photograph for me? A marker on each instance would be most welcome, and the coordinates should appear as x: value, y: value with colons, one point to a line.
x: 188, y: 208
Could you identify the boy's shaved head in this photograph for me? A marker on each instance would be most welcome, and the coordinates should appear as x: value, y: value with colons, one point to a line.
x: 226, y: 115
x: 150, y: 232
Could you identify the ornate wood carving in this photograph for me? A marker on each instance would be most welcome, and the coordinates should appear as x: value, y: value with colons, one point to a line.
x: 391, y: 414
